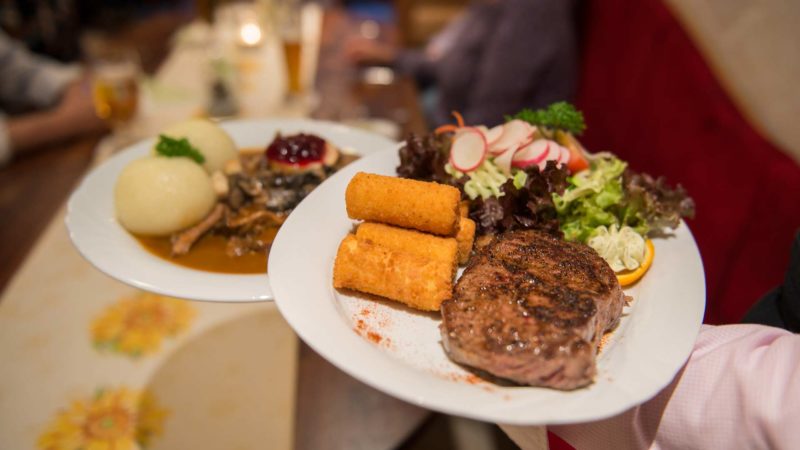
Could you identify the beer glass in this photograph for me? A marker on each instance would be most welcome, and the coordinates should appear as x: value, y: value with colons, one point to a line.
x: 291, y: 35
x: 115, y: 71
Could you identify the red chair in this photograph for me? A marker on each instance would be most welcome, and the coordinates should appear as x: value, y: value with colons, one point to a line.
x: 650, y: 97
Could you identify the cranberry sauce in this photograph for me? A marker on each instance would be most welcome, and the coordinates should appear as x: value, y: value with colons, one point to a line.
x: 299, y: 149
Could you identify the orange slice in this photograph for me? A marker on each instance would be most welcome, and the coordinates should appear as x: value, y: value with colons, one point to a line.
x: 628, y: 277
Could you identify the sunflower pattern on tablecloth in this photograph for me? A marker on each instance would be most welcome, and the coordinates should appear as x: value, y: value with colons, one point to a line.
x: 137, y: 325
x: 114, y: 419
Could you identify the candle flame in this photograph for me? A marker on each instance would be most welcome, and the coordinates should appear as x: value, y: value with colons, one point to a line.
x: 250, y: 34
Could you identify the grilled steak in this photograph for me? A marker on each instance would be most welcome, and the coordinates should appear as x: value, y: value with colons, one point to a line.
x: 532, y: 309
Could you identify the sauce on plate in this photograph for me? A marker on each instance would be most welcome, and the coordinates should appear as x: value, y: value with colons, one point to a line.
x: 208, y: 254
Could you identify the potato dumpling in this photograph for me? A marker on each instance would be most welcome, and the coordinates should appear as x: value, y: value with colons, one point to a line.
x: 157, y: 196
x: 208, y: 138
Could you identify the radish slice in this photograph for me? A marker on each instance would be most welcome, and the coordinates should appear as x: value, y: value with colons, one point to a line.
x: 461, y: 130
x: 514, y: 134
x: 503, y: 161
x: 533, y: 153
x: 482, y: 129
x: 564, y: 157
x: 468, y: 150
x: 494, y: 134
x: 528, y: 141
x: 553, y: 154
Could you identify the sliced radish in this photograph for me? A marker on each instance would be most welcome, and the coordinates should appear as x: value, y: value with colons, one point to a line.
x: 515, y: 133
x: 493, y: 134
x: 500, y: 152
x: 503, y: 161
x: 469, y: 129
x: 482, y: 129
x: 468, y: 150
x: 529, y: 140
x: 564, y: 157
x: 533, y: 153
x: 552, y: 155
x: 558, y: 155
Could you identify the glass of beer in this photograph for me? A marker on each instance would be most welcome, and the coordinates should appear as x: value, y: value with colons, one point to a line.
x: 115, y: 74
x: 290, y: 30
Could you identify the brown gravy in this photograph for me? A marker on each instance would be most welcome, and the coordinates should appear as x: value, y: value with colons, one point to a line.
x: 208, y: 254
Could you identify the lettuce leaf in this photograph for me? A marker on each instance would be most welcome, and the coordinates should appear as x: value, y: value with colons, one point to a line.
x: 526, y: 202
x: 424, y: 158
x: 651, y: 202
x: 593, y: 199
x: 609, y: 193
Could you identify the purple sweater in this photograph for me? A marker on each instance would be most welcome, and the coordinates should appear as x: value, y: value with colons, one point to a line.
x: 500, y: 56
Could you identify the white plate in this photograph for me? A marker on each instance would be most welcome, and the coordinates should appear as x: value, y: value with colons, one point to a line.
x: 398, y: 351
x: 101, y: 240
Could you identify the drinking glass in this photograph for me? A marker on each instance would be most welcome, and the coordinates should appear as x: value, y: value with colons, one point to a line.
x: 115, y: 72
x: 291, y: 34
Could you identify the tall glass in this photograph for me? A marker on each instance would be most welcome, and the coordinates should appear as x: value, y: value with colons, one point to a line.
x: 291, y: 34
x: 115, y: 70
x: 115, y: 84
x: 292, y: 50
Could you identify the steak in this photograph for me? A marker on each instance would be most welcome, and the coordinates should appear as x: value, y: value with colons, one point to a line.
x: 532, y: 308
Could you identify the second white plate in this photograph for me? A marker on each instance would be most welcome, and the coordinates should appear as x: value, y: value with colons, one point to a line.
x: 104, y: 243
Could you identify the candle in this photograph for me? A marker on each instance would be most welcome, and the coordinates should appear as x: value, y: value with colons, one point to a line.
x: 250, y: 34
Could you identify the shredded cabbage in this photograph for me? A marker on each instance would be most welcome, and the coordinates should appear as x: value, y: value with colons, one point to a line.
x: 484, y: 182
x: 623, y: 249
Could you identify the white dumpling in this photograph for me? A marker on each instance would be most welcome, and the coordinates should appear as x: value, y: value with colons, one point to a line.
x: 157, y: 196
x: 208, y: 138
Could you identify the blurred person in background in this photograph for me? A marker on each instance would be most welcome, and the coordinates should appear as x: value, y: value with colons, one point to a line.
x: 54, y: 28
x: 146, y: 25
x: 46, y: 27
x: 42, y: 101
x: 497, y: 57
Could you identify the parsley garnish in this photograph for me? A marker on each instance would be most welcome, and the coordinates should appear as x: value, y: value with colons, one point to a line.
x: 558, y: 116
x: 171, y: 147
